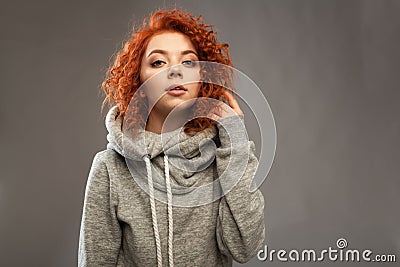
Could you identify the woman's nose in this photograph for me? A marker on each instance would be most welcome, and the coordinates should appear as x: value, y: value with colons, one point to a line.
x: 175, y: 71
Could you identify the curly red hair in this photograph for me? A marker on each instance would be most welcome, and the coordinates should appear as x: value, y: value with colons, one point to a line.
x: 123, y: 77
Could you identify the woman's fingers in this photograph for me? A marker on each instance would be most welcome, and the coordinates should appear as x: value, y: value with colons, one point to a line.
x: 224, y: 110
x: 233, y: 103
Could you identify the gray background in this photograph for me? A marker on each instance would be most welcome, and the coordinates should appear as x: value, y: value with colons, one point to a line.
x: 329, y: 69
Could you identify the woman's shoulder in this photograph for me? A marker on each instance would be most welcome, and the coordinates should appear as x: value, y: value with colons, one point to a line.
x: 111, y: 163
x: 109, y: 157
x: 106, y: 154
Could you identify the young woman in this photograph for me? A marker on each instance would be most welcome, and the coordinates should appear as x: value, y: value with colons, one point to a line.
x: 152, y: 214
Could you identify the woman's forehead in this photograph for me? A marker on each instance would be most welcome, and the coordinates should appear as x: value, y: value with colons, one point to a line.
x: 170, y: 42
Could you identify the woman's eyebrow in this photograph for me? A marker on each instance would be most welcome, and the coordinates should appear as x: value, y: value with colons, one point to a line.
x: 185, y: 52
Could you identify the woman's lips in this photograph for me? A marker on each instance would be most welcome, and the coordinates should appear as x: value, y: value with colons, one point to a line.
x: 176, y: 92
x: 180, y: 89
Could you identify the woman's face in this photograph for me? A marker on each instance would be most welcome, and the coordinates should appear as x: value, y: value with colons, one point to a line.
x: 164, y: 51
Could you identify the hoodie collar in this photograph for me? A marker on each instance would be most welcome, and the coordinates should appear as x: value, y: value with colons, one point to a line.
x: 183, y: 152
x: 147, y: 143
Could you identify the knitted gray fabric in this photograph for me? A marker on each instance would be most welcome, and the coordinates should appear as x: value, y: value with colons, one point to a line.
x: 117, y: 227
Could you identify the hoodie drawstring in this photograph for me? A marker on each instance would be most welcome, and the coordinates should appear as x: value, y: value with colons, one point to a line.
x: 170, y: 219
x: 154, y: 215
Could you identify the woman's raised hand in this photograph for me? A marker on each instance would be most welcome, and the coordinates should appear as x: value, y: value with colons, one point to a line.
x: 225, y: 110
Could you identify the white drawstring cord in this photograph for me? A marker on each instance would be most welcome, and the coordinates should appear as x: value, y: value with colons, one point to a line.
x: 170, y: 218
x: 154, y: 215
x: 153, y: 211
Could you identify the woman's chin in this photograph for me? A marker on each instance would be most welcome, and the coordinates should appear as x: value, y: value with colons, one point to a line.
x: 179, y: 105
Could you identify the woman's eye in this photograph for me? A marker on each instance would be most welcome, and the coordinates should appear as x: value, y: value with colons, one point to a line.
x: 157, y: 63
x: 189, y: 63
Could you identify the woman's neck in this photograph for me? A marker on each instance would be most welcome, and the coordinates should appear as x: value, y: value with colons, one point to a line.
x: 155, y: 122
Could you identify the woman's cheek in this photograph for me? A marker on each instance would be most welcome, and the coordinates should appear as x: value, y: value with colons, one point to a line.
x: 145, y: 74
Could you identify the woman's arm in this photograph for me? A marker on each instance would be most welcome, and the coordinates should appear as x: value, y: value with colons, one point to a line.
x: 240, y: 225
x: 100, y: 232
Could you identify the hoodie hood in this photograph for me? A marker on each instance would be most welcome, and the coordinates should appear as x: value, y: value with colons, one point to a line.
x: 189, y: 160
x: 150, y: 144
x: 187, y: 154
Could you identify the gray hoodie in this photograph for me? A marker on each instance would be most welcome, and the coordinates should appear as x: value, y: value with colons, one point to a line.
x: 157, y: 200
